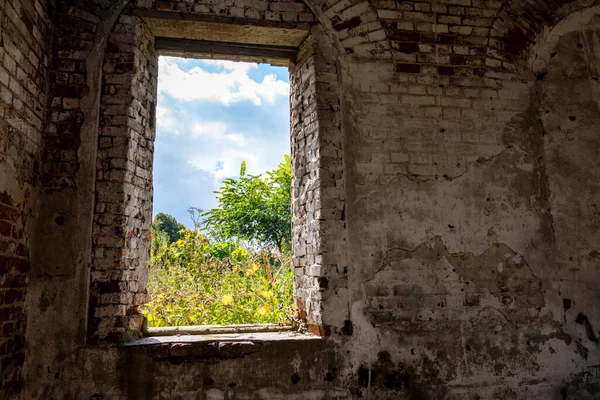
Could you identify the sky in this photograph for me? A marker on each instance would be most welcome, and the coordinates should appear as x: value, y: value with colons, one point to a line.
x: 212, y: 115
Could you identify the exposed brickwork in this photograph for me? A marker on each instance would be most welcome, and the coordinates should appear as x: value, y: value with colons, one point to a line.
x: 357, y: 27
x: 305, y: 200
x: 73, y: 35
x: 14, y: 269
x: 24, y: 27
x: 318, y: 186
x: 355, y: 23
x: 444, y: 230
x: 272, y: 11
x: 448, y: 85
x: 121, y: 235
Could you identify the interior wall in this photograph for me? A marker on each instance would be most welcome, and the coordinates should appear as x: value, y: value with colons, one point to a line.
x: 568, y: 91
x: 568, y: 95
x: 58, y: 287
x: 24, y: 58
x: 318, y: 191
x: 469, y: 194
x: 121, y: 236
x: 463, y: 264
x: 123, y: 201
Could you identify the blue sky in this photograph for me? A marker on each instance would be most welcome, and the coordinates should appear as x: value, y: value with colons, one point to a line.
x: 211, y: 116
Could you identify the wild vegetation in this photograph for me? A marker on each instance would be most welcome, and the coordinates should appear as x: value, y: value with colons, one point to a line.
x: 234, y: 265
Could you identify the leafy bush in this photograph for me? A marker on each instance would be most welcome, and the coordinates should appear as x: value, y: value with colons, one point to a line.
x: 168, y: 224
x: 188, y: 285
x: 254, y: 208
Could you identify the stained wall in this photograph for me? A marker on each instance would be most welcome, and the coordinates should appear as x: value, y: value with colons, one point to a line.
x: 24, y: 61
x: 445, y: 207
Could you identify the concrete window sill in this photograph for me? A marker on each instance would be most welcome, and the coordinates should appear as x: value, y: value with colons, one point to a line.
x: 219, y: 345
x: 214, y: 329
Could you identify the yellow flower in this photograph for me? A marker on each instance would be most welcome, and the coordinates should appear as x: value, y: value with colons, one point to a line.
x: 236, y: 268
x: 227, y: 299
x: 267, y: 294
x: 239, y: 254
x: 263, y: 310
x: 252, y: 269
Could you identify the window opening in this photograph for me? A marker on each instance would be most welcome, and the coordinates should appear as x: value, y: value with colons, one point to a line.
x: 221, y: 232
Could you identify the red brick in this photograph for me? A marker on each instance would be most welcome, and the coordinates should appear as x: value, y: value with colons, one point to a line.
x: 351, y: 23
x: 319, y: 330
x: 8, y: 329
x: 5, y: 313
x: 8, y: 213
x: 445, y: 70
x: 5, y: 229
x: 14, y: 295
x: 408, y: 68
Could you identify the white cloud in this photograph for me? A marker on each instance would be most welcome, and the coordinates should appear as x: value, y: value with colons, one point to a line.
x: 222, y: 161
x: 228, y: 86
x: 226, y: 163
x: 199, y: 144
x: 217, y: 131
x: 164, y: 118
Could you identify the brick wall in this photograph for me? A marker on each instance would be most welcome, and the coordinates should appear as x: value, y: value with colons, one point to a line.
x: 432, y: 257
x: 288, y: 11
x: 318, y: 195
x: 446, y: 88
x: 452, y: 234
x: 318, y: 186
x: 24, y: 27
x: 123, y: 204
x: 67, y: 85
x: 305, y: 198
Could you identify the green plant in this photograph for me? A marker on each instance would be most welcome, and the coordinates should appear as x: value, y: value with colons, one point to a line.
x: 254, y: 208
x: 168, y: 224
x: 190, y: 286
x: 235, y: 266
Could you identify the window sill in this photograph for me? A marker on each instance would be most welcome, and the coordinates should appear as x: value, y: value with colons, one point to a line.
x: 223, y: 337
x: 216, y: 329
x: 218, y: 345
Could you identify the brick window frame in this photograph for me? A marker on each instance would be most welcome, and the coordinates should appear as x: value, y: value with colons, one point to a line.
x: 123, y: 187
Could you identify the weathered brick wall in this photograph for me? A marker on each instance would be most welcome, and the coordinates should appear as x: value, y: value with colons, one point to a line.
x: 445, y: 89
x: 58, y: 287
x: 305, y: 186
x: 288, y: 11
x: 440, y: 254
x: 318, y: 195
x: 120, y: 240
x: 123, y: 207
x: 24, y: 28
x: 452, y: 226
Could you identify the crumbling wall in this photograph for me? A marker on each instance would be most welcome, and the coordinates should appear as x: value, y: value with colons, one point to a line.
x: 276, y: 11
x: 318, y: 195
x: 456, y: 210
x: 58, y: 288
x: 123, y: 203
x: 281, y: 369
x: 566, y: 65
x: 455, y: 250
x: 24, y: 51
